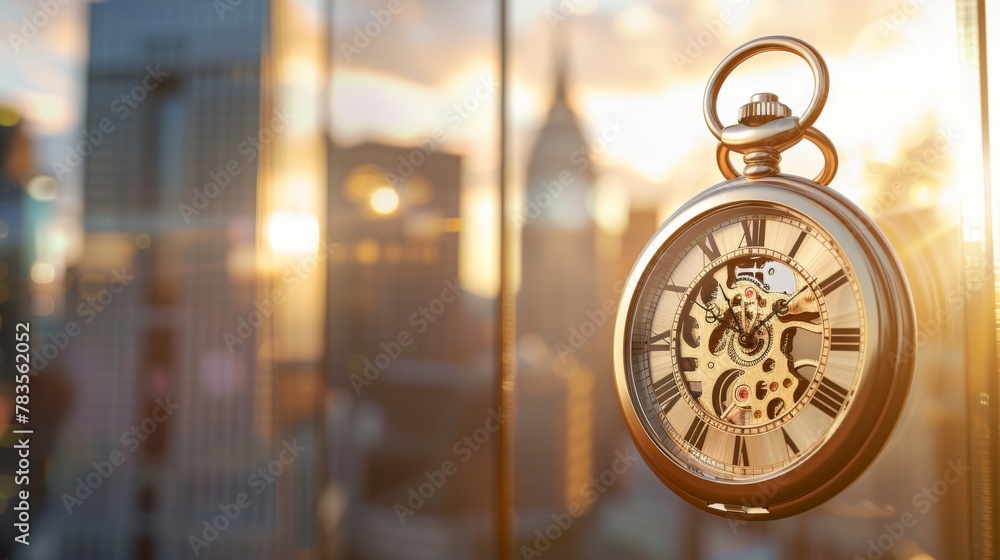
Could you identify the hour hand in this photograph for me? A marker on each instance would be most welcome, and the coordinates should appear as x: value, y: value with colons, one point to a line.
x: 711, y: 313
x: 729, y: 308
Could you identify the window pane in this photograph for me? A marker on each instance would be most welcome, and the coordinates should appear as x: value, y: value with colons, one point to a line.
x: 609, y: 139
x: 414, y: 206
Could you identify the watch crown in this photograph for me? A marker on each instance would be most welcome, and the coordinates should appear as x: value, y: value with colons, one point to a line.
x: 763, y: 108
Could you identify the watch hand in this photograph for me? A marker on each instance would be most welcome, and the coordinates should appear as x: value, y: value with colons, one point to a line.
x: 777, y: 308
x: 736, y: 321
x: 725, y: 414
x: 729, y: 307
x: 709, y: 314
x: 707, y: 310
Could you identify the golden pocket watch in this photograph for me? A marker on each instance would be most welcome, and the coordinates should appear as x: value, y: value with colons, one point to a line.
x: 759, y: 342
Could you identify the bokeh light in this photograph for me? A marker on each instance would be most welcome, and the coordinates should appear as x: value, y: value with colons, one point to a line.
x: 384, y: 201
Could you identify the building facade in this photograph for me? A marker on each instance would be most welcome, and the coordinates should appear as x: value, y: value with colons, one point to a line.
x: 170, y: 150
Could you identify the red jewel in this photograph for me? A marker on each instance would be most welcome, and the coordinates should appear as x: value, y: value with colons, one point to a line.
x: 749, y: 293
x: 743, y: 393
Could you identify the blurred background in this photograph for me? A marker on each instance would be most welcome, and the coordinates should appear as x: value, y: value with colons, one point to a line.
x: 283, y: 262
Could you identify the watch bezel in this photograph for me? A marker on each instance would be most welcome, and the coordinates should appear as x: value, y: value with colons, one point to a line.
x: 878, y: 398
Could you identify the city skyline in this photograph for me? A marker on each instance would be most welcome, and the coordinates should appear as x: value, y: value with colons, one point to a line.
x: 271, y: 274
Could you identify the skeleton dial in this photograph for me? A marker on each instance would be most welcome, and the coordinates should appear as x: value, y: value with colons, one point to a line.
x: 747, y: 344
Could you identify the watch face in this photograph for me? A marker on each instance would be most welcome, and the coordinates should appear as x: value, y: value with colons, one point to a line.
x: 760, y: 347
x: 746, y: 343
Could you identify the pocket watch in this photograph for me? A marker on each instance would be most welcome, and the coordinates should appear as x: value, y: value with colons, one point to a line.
x: 760, y: 340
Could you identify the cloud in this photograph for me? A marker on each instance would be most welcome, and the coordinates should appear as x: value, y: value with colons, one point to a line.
x: 620, y: 44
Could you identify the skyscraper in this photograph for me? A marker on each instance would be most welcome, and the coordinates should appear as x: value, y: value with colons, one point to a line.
x: 559, y: 265
x: 394, y: 211
x: 554, y: 443
x: 401, y: 343
x: 171, y: 144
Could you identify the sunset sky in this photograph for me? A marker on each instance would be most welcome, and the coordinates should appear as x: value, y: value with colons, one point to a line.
x: 895, y: 73
x: 628, y: 61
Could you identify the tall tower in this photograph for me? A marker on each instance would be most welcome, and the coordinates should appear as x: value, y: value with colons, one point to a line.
x: 558, y: 246
x: 555, y: 392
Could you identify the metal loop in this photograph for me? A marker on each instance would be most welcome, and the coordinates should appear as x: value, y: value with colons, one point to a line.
x: 821, y: 77
x: 820, y: 140
x: 725, y: 166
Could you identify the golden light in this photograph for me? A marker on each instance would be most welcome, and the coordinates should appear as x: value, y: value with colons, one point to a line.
x: 293, y: 232
x: 611, y: 205
x: 302, y: 72
x: 384, y: 201
x: 43, y: 273
x: 49, y: 113
x: 479, y: 242
x: 922, y: 194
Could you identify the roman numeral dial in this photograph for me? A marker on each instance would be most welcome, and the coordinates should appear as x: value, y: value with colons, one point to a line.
x: 667, y: 392
x: 740, y: 452
x: 710, y: 247
x: 829, y: 397
x: 660, y: 342
x: 797, y: 244
x: 845, y: 340
x: 697, y: 433
x: 753, y: 232
x: 832, y: 282
x: 793, y: 448
x: 747, y: 343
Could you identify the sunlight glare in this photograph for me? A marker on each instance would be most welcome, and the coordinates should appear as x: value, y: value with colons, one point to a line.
x: 293, y: 232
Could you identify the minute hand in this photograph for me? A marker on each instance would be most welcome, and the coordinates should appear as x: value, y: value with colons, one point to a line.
x: 775, y: 312
x: 729, y: 306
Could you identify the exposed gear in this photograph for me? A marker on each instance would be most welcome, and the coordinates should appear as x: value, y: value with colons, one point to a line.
x: 753, y: 342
